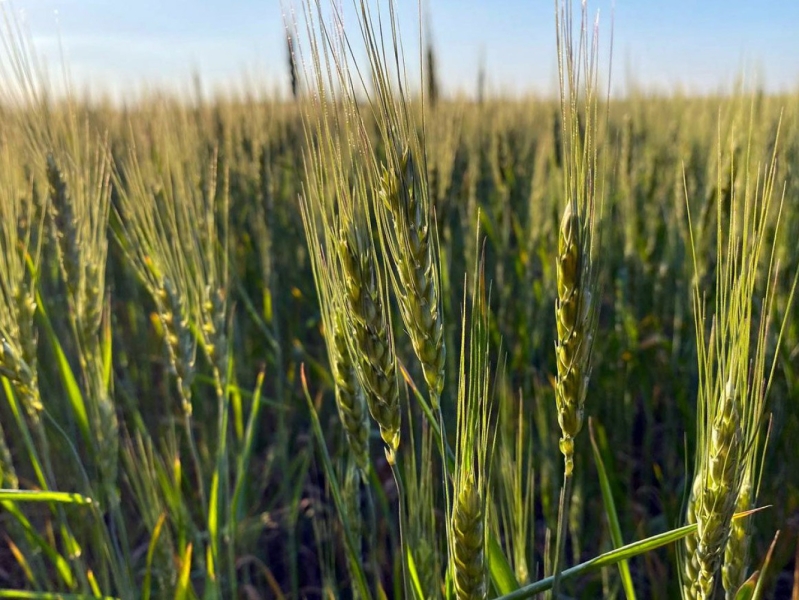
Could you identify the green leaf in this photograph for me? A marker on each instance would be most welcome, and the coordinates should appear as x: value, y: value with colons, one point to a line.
x: 67, y: 376
x: 183, y: 590
x: 22, y: 427
x: 499, y: 568
x: 43, y: 496
x: 61, y: 564
x: 338, y: 499
x: 416, y: 585
x: 610, y: 507
x: 106, y: 347
x: 25, y: 595
x: 757, y: 594
x: 747, y: 590
x: 148, y: 570
x: 246, y: 450
x: 604, y: 560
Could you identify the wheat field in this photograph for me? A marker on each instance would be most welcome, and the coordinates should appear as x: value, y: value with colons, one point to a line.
x: 373, y: 341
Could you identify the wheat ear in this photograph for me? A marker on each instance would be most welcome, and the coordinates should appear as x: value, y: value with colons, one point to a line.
x: 350, y: 398
x: 413, y: 248
x: 573, y: 345
x: 371, y: 341
x: 733, y: 383
x: 474, y: 450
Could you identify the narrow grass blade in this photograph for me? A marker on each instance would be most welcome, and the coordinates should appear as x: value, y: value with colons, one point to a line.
x: 106, y: 345
x: 183, y: 590
x: 148, y: 568
x: 22, y: 561
x: 747, y: 590
x: 610, y: 507
x: 758, y: 591
x: 93, y: 584
x: 413, y: 574
x: 614, y: 557
x: 330, y: 473
x: 25, y: 595
x: 499, y: 568
x: 22, y: 427
x: 67, y: 376
x: 235, y: 401
x: 212, y: 553
x: 43, y: 496
x: 604, y: 560
x: 246, y: 450
x: 60, y: 564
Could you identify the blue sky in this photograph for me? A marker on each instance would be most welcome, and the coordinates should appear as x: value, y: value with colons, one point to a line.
x: 700, y: 45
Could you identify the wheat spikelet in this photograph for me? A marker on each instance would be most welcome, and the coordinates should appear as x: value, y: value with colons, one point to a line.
x: 714, y: 495
x: 576, y: 305
x: 413, y: 249
x: 214, y: 321
x: 20, y: 237
x: 212, y: 248
x: 350, y: 399
x: 181, y: 345
x: 736, y: 554
x: 8, y: 475
x: 573, y: 345
x: 370, y: 339
x: 475, y: 443
x: 79, y: 204
x: 65, y: 227
x: 689, y: 563
x: 468, y: 523
x: 352, y: 408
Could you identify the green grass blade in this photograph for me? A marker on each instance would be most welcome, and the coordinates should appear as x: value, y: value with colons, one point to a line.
x: 604, y: 560
x: 183, y: 590
x: 106, y: 347
x: 25, y: 595
x: 757, y: 594
x: 246, y: 451
x: 610, y: 508
x: 22, y: 427
x: 499, y: 568
x: 330, y: 473
x: 148, y: 568
x: 67, y: 376
x: 413, y: 575
x: 60, y: 564
x: 747, y: 590
x: 213, y: 531
x: 43, y: 496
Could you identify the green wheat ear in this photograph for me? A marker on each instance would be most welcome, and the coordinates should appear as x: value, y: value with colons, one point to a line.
x: 734, y: 381
x: 468, y: 530
x: 413, y: 249
x: 576, y: 303
x: 350, y: 398
x: 573, y: 345
x: 371, y: 340
x: 474, y: 450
